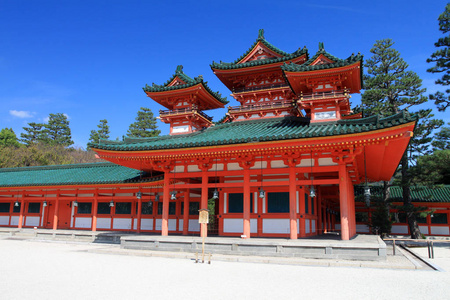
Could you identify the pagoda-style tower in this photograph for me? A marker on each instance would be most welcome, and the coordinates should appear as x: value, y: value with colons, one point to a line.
x: 323, y: 84
x: 185, y: 98
x: 258, y: 83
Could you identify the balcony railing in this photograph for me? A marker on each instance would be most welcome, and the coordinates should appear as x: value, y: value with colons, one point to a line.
x: 167, y: 113
x: 259, y: 88
x: 324, y: 95
x: 262, y: 106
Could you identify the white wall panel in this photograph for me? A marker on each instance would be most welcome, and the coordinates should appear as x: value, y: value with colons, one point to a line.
x: 439, y: 230
x: 4, y: 220
x: 276, y: 226
x: 158, y: 224
x: 423, y: 229
x: 399, y: 229
x: 32, y: 221
x: 307, y: 226
x: 14, y: 220
x: 146, y: 224
x: 172, y: 225
x: 253, y: 225
x: 104, y: 223
x: 194, y: 225
x: 83, y: 222
x: 233, y: 225
x: 313, y: 226
x: 180, y: 225
x: 122, y: 224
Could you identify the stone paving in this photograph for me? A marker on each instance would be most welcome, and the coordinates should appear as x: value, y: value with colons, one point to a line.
x: 57, y: 270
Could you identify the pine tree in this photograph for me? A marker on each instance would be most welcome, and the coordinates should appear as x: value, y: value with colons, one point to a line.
x: 101, y: 133
x: 145, y: 125
x: 442, y: 139
x: 57, y: 130
x: 441, y: 58
x: 33, y: 133
x: 390, y: 87
x: 8, y: 138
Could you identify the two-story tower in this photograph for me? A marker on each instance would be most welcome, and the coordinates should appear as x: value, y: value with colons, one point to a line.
x: 323, y: 84
x: 186, y: 99
x: 258, y: 83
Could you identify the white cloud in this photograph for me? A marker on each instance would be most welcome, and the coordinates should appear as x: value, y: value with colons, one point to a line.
x: 21, y: 114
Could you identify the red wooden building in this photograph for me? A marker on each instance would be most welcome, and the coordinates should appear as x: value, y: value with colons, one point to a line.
x: 282, y: 164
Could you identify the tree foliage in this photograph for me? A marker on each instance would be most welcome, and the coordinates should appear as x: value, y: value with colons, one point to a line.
x: 57, y: 130
x: 145, y: 125
x: 441, y: 60
x: 432, y: 169
x: 390, y: 87
x: 42, y: 154
x: 33, y: 133
x: 101, y: 133
x: 8, y: 138
x: 442, y: 139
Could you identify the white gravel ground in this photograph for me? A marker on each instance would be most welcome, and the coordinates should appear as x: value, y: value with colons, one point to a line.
x: 38, y: 270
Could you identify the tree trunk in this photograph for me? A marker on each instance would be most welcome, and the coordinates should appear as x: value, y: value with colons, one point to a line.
x: 407, y: 201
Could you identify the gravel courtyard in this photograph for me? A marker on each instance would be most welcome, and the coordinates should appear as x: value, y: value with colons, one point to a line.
x: 43, y: 270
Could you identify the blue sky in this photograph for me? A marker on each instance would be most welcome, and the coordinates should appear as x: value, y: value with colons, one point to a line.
x: 90, y: 59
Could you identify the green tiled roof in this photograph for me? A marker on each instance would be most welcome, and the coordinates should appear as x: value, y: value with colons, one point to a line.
x: 337, y: 62
x: 418, y: 193
x: 76, y: 174
x: 188, y: 83
x: 285, y: 56
x: 273, y: 129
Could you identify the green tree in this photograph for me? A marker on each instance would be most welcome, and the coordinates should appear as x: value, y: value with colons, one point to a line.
x: 101, y: 133
x: 441, y: 58
x: 432, y: 169
x: 33, y: 133
x: 442, y: 139
x: 57, y: 130
x: 145, y: 125
x: 8, y: 138
x: 389, y: 88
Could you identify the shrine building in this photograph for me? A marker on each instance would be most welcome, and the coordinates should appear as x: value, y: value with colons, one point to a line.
x: 281, y: 164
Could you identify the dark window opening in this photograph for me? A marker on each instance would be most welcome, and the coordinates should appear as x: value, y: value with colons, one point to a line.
x: 306, y: 203
x: 123, y: 208
x: 5, y: 207
x: 34, y: 207
x: 236, y: 203
x: 84, y: 208
x: 278, y: 202
x: 146, y: 208
x: 439, y: 219
x: 103, y: 208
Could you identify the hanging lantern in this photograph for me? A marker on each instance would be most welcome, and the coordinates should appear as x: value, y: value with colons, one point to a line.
x: 262, y: 193
x: 139, y: 195
x: 44, y: 204
x: 312, y: 192
x: 173, y: 195
x: 75, y: 203
x: 111, y: 204
x: 216, y: 194
x: 156, y: 197
x: 16, y: 203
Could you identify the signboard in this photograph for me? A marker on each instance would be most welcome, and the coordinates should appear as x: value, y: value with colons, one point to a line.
x: 203, y: 217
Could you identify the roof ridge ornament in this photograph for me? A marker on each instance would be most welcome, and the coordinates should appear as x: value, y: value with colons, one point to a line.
x: 179, y: 69
x: 321, y: 47
x: 261, y: 34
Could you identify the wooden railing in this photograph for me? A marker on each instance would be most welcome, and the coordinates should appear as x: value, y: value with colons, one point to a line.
x: 252, y: 107
x: 259, y: 87
x: 324, y: 95
x: 166, y: 113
